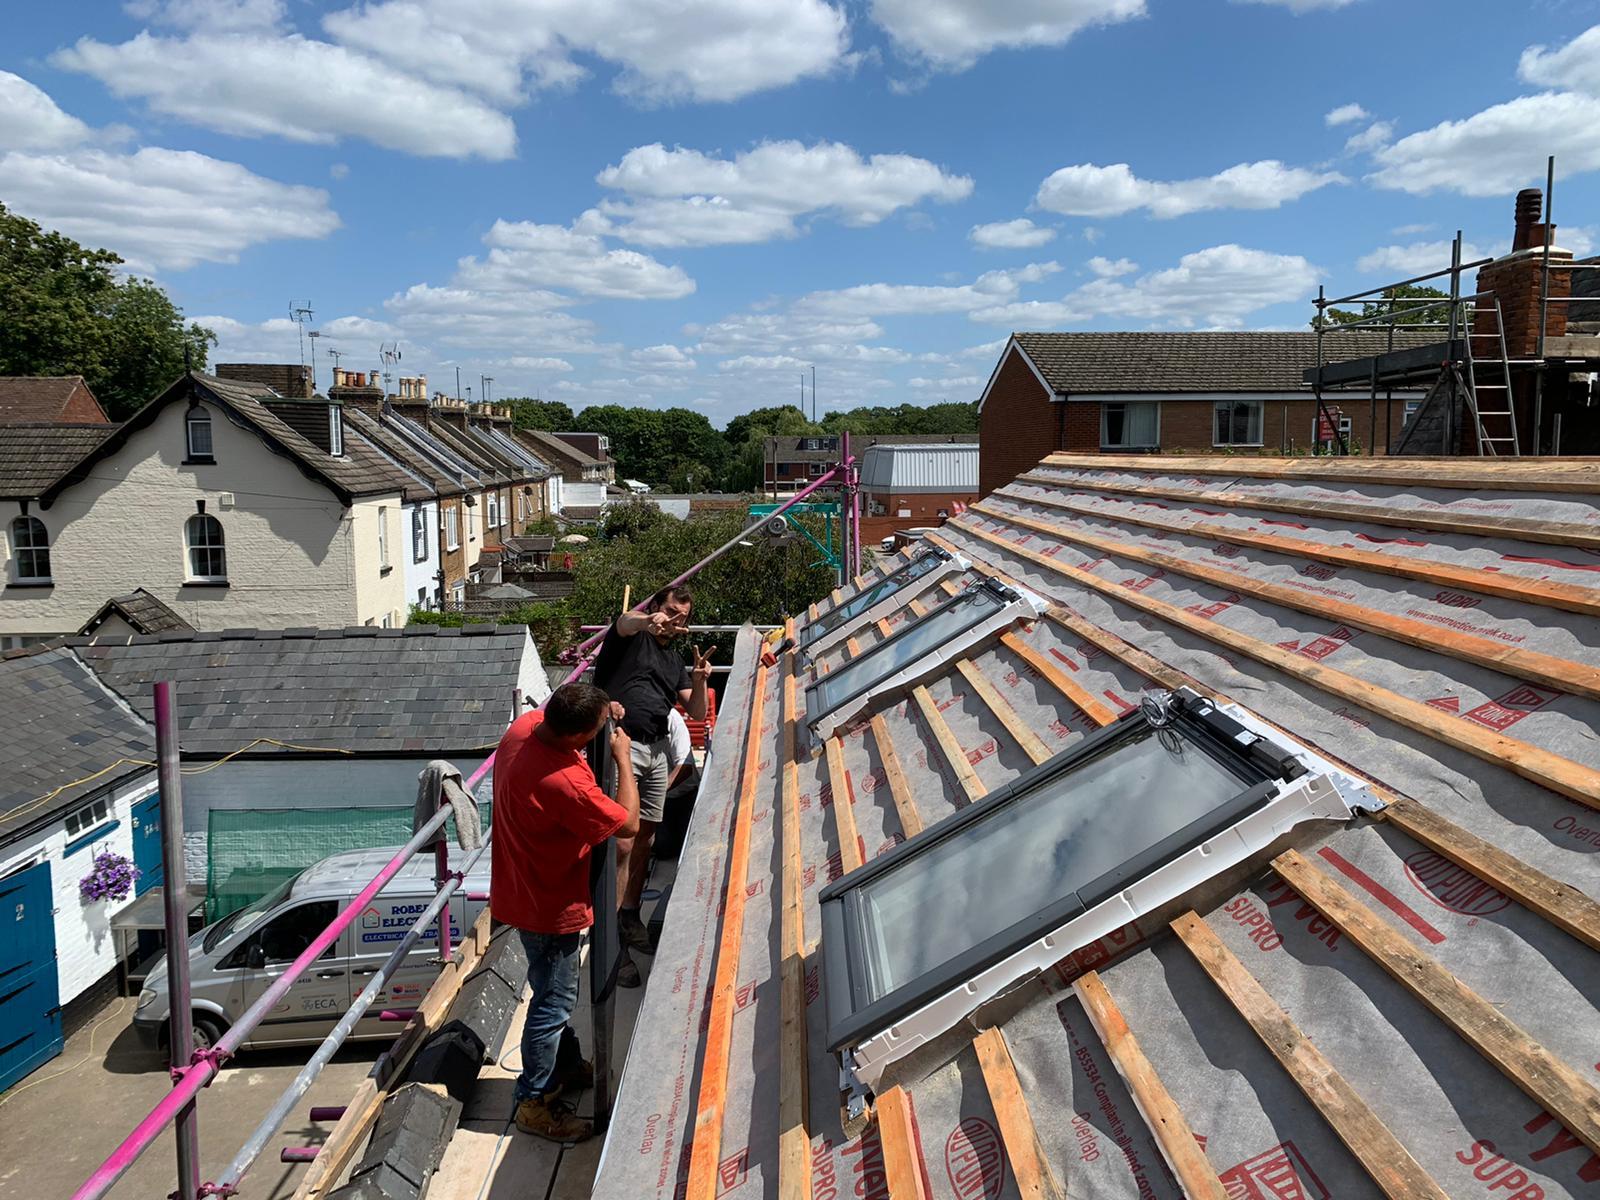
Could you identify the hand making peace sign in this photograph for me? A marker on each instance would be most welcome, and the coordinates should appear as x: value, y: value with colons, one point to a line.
x: 702, y: 665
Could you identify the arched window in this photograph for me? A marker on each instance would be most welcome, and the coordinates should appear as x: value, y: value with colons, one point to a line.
x: 198, y: 426
x: 208, y: 561
x: 31, y: 545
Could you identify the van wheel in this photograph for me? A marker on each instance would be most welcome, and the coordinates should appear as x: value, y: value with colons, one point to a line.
x: 207, y: 1031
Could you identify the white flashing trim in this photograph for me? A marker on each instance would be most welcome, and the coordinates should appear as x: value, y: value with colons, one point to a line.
x: 1013, y: 344
x: 931, y: 663
x: 893, y: 602
x: 1324, y: 793
x: 1271, y: 397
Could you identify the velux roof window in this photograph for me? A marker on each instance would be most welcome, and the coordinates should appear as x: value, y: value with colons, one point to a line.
x: 917, y: 647
x: 876, y: 598
x: 1108, y: 829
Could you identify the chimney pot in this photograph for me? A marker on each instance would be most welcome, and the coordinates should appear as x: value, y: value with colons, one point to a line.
x: 1530, y: 207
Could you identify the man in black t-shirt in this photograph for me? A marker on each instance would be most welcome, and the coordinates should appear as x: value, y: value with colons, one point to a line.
x: 644, y: 679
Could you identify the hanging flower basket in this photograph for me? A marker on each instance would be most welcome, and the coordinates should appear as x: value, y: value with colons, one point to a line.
x: 111, y: 878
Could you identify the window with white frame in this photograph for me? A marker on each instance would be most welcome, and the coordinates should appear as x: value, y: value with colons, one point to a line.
x: 335, y: 430
x: 386, y: 621
x: 87, y: 817
x: 422, y: 599
x: 452, y: 525
x: 30, y: 546
x: 419, y: 534
x: 1237, y: 423
x: 1130, y: 425
x: 208, y: 560
x: 383, y: 537
x: 494, y: 511
x: 197, y: 429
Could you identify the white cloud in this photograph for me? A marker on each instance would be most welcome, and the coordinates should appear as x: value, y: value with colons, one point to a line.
x: 1345, y: 114
x: 957, y: 383
x: 762, y: 362
x: 1108, y: 268
x: 1496, y: 151
x: 665, y: 357
x: 1409, y: 230
x: 1087, y: 190
x: 275, y: 340
x: 1575, y: 66
x: 491, y: 320
x: 882, y: 299
x: 31, y: 120
x: 1376, y: 135
x: 161, y: 209
x: 1417, y: 258
x: 523, y: 362
x: 295, y: 88
x: 1300, y: 7
x: 214, y: 15
x: 1021, y: 234
x: 339, y: 170
x: 679, y: 197
x: 953, y: 34
x: 524, y: 255
x: 1216, y: 287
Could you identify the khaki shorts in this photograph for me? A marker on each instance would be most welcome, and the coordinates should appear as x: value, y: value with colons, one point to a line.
x: 650, y: 773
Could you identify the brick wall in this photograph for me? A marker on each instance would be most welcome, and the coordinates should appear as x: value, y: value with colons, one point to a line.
x: 82, y: 408
x: 1188, y: 426
x: 452, y: 562
x: 287, y: 379
x: 1018, y: 425
x: 924, y: 509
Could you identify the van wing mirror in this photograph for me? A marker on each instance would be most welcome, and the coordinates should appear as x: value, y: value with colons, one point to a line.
x: 255, y: 956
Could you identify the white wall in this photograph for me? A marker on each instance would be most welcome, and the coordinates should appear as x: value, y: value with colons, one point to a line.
x: 291, y: 557
x: 421, y: 574
x: 583, y: 495
x: 379, y: 593
x: 86, y: 949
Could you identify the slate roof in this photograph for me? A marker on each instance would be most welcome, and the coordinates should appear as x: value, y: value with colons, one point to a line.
x: 1387, y: 1001
x: 437, y: 482
x: 36, y: 398
x: 139, y: 609
x: 62, y: 725
x: 420, y: 690
x: 549, y: 445
x: 35, y: 456
x: 1196, y: 362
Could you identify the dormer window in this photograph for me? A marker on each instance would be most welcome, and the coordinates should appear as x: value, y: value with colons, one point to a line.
x: 335, y: 431
x: 197, y: 427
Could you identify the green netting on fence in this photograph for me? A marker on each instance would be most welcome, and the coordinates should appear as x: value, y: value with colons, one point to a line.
x: 249, y: 852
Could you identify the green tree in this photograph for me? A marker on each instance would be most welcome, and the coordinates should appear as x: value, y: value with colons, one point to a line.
x: 65, y: 311
x: 549, y: 416
x: 1403, y: 314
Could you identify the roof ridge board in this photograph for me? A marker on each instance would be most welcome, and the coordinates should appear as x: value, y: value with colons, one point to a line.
x: 1548, y: 593
x: 1543, y: 767
x: 1543, y: 532
x: 1532, y: 666
x: 1554, y: 475
x: 1565, y: 906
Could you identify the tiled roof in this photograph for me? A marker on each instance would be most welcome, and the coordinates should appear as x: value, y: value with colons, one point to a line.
x: 492, y: 468
x: 1196, y: 362
x: 31, y: 398
x: 61, y: 725
x: 1413, y: 994
x: 549, y: 445
x: 139, y: 609
x: 32, y: 457
x: 398, y: 449
x: 420, y: 690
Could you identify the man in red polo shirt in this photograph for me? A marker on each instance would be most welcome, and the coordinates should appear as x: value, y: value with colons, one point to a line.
x: 548, y: 815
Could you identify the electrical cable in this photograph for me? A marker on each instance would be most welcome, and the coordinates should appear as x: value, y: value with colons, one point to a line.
x: 12, y: 1094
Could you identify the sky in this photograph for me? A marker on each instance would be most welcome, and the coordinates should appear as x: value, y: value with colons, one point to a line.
x: 697, y: 202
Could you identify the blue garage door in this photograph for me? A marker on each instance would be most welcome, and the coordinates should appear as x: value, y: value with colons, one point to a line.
x: 30, y: 1017
x: 147, y: 844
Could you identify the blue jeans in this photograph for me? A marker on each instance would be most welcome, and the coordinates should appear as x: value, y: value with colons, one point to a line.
x: 553, y: 975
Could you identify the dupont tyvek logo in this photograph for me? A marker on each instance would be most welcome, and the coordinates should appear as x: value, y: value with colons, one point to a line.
x: 974, y: 1160
x: 1281, y: 1173
x: 1453, y: 887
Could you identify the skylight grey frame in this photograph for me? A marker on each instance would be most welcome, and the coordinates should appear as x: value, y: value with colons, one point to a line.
x: 817, y: 637
x: 823, y: 720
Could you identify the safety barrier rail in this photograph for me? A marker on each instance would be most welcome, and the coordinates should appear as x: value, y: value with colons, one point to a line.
x: 178, y: 1107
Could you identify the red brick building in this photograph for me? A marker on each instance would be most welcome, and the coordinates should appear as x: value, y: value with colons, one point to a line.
x: 1172, y: 393
x: 909, y: 485
x: 48, y: 400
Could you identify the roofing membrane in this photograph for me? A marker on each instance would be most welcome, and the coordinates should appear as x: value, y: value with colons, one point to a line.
x: 1402, y: 1004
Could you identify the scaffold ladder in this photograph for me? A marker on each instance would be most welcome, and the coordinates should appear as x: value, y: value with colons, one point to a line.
x: 1489, y: 398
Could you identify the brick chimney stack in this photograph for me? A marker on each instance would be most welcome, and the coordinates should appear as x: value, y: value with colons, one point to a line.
x: 290, y: 380
x: 1514, y: 280
x: 354, y: 388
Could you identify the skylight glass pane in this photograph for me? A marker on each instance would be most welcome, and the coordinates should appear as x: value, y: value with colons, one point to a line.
x: 829, y: 621
x: 907, y: 645
x: 1030, y: 853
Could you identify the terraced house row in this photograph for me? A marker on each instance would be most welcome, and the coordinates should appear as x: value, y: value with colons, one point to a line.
x: 246, y: 499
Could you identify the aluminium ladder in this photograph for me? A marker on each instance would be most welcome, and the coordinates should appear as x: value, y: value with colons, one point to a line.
x: 1496, y: 362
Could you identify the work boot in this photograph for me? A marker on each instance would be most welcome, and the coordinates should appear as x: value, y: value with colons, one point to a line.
x: 628, y: 971
x: 631, y: 931
x: 546, y: 1117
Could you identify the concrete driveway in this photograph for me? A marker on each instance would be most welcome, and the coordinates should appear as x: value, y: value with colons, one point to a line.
x: 57, y: 1125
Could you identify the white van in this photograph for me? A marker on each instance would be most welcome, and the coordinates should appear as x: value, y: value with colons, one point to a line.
x: 234, y: 960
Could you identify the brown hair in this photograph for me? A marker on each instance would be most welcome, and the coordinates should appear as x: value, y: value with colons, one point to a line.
x: 681, y: 592
x: 575, y: 708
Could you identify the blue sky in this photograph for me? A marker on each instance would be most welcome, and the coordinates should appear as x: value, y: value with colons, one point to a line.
x: 693, y: 202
